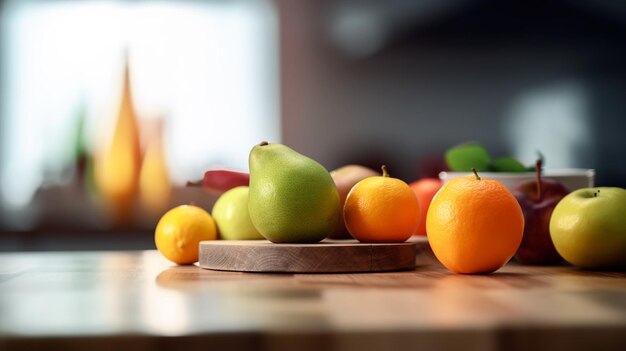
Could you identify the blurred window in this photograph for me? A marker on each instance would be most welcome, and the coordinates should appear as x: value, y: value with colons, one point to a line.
x: 209, y: 69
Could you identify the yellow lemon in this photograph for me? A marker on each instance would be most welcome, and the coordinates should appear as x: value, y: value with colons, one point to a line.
x: 180, y: 230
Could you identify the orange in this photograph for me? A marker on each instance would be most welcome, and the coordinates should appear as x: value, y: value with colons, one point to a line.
x: 381, y: 209
x: 474, y: 225
x: 425, y: 189
x: 180, y: 230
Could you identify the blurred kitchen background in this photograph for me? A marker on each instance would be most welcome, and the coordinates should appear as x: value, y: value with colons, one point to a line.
x: 107, y: 108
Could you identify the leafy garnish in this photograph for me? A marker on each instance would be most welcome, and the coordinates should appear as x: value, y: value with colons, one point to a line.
x: 464, y: 157
x: 508, y: 164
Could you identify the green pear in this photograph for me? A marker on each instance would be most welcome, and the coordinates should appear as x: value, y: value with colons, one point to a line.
x: 292, y: 199
x: 231, y: 215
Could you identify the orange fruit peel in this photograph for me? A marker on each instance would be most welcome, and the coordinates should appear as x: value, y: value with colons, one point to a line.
x: 474, y: 225
x: 179, y: 232
x: 381, y: 209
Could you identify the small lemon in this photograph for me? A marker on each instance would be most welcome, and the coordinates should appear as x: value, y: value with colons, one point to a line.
x: 180, y: 230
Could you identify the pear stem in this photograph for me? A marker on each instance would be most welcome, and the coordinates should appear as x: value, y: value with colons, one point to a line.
x: 475, y: 173
x: 263, y: 143
x: 538, y: 174
x: 385, y: 173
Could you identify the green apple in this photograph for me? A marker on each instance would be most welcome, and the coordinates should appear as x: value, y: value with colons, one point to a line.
x: 231, y: 215
x: 588, y: 227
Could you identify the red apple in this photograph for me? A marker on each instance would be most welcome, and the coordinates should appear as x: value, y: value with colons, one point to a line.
x: 538, y: 199
x: 218, y: 181
x: 425, y: 189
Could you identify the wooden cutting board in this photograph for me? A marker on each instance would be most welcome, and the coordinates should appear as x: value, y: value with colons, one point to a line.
x: 328, y: 256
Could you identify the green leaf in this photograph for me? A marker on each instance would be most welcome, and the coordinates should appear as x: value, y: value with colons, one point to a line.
x: 508, y: 164
x: 463, y: 158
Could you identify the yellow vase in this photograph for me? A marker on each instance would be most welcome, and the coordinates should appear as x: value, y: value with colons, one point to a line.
x: 118, y: 163
x: 154, y: 179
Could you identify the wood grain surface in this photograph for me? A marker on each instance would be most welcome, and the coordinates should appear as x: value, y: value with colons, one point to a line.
x: 328, y: 256
x: 140, y: 301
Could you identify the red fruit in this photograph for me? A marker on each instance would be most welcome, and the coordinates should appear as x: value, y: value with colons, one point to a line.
x: 221, y: 180
x: 538, y: 199
x: 425, y: 189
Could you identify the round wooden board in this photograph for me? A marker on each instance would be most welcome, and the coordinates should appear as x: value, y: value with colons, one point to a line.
x: 328, y: 256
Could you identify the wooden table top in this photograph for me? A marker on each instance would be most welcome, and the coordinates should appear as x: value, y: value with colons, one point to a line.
x: 114, y: 300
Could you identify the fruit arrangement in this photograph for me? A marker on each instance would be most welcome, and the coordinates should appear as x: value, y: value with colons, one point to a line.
x: 474, y: 225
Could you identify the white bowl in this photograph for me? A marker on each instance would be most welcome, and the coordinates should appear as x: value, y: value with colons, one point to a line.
x: 572, y: 178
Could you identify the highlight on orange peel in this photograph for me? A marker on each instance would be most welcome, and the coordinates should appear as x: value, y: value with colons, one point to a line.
x: 474, y: 225
x: 381, y: 209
